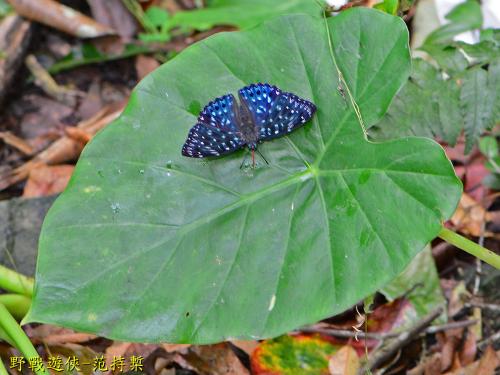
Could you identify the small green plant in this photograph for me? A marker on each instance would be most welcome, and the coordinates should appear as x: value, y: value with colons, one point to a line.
x: 457, y: 90
x: 155, y: 21
x: 388, y: 6
x: 489, y: 148
x: 5, y: 8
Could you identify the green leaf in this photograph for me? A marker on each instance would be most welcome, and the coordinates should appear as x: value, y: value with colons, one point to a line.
x: 154, y: 37
x: 5, y: 8
x: 388, y: 6
x: 431, y: 105
x: 450, y: 58
x: 488, y: 147
x: 90, y: 55
x: 464, y: 17
x: 427, y: 106
x: 147, y: 245
x: 483, y: 52
x: 492, y: 181
x: 420, y: 283
x: 156, y: 17
x: 490, y: 35
x: 478, y: 97
x: 242, y: 13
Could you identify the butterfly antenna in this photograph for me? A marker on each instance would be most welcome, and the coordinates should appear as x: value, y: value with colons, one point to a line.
x: 262, y: 156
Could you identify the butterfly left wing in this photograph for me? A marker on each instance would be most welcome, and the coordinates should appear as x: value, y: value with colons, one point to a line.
x: 205, y: 140
x: 220, y: 113
x: 216, y: 132
x: 276, y: 113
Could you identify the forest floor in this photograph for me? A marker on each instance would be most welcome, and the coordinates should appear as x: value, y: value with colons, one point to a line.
x: 60, y: 89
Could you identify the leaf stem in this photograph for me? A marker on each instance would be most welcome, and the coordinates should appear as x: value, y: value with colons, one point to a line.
x: 15, y: 282
x: 17, y: 304
x: 3, y: 370
x: 471, y: 247
x: 21, y: 341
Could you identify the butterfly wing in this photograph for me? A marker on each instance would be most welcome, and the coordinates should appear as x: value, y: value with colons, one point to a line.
x: 216, y: 132
x: 204, y: 140
x: 260, y: 99
x: 276, y: 113
x: 220, y: 113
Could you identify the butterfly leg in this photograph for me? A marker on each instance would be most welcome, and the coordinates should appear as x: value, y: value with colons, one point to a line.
x: 253, y: 158
x: 243, y: 161
x: 262, y: 156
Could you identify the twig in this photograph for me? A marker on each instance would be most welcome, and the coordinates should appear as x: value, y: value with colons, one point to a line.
x: 484, y: 306
x: 49, y: 86
x: 15, y: 37
x: 490, y: 340
x: 61, y: 17
x: 452, y: 325
x: 387, y: 351
x: 16, y: 142
x: 347, y: 334
x: 477, y: 278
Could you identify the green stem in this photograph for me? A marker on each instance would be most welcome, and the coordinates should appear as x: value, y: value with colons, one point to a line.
x: 473, y: 248
x: 15, y: 282
x: 16, y: 333
x: 3, y: 370
x: 17, y: 304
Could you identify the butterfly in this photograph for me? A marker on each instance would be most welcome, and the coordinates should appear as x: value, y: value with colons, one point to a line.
x: 264, y: 112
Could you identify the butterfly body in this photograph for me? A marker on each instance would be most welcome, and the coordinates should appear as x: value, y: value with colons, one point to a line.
x: 264, y: 112
x: 246, y: 125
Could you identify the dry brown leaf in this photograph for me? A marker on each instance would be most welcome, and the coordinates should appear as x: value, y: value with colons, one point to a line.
x: 170, y: 348
x: 449, y: 342
x: 114, y: 14
x: 344, y: 362
x: 47, y: 180
x: 63, y: 150
x: 248, y: 346
x: 468, y: 351
x: 145, y: 65
x: 68, y: 338
x: 428, y: 366
x: 488, y: 363
x: 45, y: 116
x: 92, y: 103
x: 475, y: 173
x: 485, y: 366
x: 469, y: 217
x: 53, y: 335
x: 77, y: 134
x: 61, y: 17
x: 116, y: 350
x: 215, y: 360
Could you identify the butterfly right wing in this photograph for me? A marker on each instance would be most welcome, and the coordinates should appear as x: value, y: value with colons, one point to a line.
x: 205, y: 140
x: 276, y: 113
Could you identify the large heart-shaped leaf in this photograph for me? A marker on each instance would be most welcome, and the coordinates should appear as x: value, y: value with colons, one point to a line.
x: 147, y: 245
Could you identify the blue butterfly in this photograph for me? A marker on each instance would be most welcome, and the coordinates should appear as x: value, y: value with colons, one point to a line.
x: 264, y: 112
